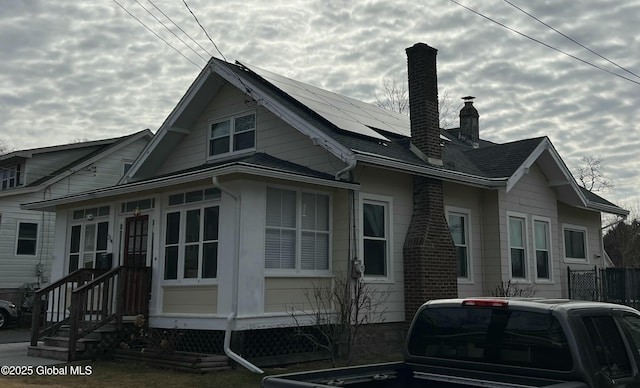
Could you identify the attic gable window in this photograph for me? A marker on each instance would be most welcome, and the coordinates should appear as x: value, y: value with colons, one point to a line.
x: 233, y: 134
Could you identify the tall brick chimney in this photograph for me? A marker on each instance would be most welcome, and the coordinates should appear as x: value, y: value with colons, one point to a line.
x: 429, y: 252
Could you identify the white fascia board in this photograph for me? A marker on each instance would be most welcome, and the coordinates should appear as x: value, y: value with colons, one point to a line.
x: 546, y: 145
x: 168, y: 122
x: 438, y: 173
x: 317, y: 136
x: 159, y: 183
x: 607, y: 208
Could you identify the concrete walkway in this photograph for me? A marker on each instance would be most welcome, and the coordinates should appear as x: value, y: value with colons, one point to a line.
x: 16, y: 354
x: 13, y: 349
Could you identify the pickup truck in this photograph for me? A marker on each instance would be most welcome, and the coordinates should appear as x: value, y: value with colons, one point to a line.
x: 502, y: 342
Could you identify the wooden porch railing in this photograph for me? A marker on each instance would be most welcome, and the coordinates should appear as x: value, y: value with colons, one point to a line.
x: 88, y: 299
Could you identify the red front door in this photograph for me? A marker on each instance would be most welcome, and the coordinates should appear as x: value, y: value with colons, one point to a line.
x: 136, y: 278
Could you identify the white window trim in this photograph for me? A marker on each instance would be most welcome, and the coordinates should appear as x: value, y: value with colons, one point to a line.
x: 467, y: 217
x: 586, y: 244
x: 527, y: 259
x: 38, y: 232
x: 182, y: 209
x: 387, y: 202
x: 534, y: 257
x: 231, y: 118
x: 298, y: 271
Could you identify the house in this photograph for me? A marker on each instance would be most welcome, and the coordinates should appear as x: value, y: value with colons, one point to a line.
x: 257, y: 186
x: 27, y: 236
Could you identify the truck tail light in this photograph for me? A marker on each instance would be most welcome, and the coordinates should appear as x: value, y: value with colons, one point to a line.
x: 485, y: 302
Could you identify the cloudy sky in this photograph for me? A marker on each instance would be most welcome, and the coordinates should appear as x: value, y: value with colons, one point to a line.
x: 72, y: 71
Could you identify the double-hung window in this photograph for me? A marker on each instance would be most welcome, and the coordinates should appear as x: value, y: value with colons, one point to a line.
x: 234, y: 134
x: 27, y: 238
x: 376, y: 236
x: 541, y: 237
x: 517, y: 247
x: 459, y: 226
x: 575, y: 238
x: 191, y: 235
x: 297, y: 230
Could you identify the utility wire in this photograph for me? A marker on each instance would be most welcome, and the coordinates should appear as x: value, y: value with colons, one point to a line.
x: 158, y: 36
x: 203, y: 29
x: 545, y: 44
x: 570, y: 38
x: 171, y: 31
x: 180, y: 28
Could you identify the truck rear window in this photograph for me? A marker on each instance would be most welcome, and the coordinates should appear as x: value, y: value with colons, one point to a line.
x: 491, y: 335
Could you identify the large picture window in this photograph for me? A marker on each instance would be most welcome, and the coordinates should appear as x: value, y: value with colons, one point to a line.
x: 297, y: 230
x: 376, y: 236
x: 517, y: 243
x: 27, y: 239
x: 459, y: 226
x: 575, y: 239
x: 234, y: 134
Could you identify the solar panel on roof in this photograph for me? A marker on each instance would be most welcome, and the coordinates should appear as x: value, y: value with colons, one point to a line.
x: 345, y: 113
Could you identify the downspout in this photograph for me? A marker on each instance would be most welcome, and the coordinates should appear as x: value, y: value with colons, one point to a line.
x: 351, y: 164
x: 234, y: 298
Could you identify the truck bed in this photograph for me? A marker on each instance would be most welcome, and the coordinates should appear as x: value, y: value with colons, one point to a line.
x: 404, y: 375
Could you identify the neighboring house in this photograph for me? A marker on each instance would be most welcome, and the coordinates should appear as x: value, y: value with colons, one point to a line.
x: 27, y: 236
x: 256, y: 187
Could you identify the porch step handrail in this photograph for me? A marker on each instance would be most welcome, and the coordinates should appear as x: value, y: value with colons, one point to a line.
x: 50, y: 304
x: 97, y: 299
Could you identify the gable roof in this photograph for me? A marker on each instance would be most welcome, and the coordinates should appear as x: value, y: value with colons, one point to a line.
x: 357, y: 132
x: 102, y: 147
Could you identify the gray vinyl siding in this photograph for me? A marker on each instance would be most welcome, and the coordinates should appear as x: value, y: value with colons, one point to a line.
x: 273, y: 136
x: 399, y: 187
x: 43, y: 164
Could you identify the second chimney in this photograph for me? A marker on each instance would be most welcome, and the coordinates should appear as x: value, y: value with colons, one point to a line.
x: 469, y: 127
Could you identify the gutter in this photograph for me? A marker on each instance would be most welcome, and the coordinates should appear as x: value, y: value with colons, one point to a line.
x: 351, y: 164
x: 234, y: 288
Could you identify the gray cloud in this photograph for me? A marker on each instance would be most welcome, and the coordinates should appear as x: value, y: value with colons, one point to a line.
x: 71, y: 70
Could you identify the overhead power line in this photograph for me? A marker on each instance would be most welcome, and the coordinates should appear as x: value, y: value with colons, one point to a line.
x: 157, y: 36
x: 170, y: 30
x: 203, y: 29
x: 570, y: 38
x: 544, y: 44
x: 180, y: 28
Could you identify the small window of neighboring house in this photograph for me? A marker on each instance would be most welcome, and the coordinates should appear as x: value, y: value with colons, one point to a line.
x: 126, y: 166
x: 376, y: 236
x: 10, y: 177
x: 459, y: 226
x: 541, y: 230
x: 517, y: 243
x: 575, y: 238
x: 234, y: 134
x: 27, y: 238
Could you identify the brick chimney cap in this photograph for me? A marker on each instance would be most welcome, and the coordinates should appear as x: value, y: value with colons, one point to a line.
x: 468, y: 98
x: 421, y: 46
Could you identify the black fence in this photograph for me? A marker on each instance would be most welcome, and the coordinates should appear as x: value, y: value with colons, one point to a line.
x: 614, y: 285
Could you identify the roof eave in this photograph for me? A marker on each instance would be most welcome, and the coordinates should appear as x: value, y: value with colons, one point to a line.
x: 159, y: 183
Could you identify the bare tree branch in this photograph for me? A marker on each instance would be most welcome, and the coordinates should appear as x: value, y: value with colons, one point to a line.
x: 394, y: 96
x: 590, y: 174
